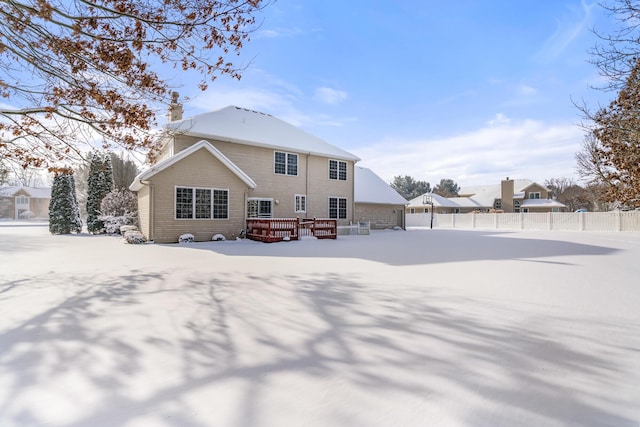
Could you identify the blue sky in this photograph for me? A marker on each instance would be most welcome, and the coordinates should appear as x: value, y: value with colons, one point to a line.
x: 469, y: 90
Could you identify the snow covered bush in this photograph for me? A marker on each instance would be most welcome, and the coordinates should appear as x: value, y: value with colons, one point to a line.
x: 118, y: 208
x: 186, y: 238
x: 125, y: 228
x: 134, y: 237
x: 218, y: 238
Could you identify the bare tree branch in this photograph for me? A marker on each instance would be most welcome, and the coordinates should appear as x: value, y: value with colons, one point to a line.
x: 72, y: 69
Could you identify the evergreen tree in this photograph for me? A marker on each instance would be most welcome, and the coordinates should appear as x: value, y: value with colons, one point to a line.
x: 107, y: 167
x: 124, y: 171
x: 447, y: 188
x: 64, y: 212
x: 99, y: 184
x: 408, y: 187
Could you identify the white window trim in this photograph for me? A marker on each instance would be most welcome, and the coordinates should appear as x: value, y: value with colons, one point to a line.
x: 193, y: 204
x: 346, y: 214
x: 337, y: 178
x: 295, y: 203
x: 286, y: 163
x: 258, y: 199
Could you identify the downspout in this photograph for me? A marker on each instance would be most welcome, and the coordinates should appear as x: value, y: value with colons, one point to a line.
x: 353, y: 193
x: 306, y: 187
x: 244, y: 209
x: 151, y: 211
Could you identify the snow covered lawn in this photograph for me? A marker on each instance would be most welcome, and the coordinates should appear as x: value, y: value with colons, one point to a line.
x: 415, y: 328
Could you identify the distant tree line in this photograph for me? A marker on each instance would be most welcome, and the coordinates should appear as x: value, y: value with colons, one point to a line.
x: 410, y: 188
x: 592, y: 196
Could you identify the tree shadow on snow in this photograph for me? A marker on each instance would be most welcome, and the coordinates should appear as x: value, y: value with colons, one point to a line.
x: 334, y: 332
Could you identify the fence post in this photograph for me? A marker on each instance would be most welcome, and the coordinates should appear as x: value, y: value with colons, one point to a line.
x: 619, y: 221
x: 581, y: 221
x: 550, y: 221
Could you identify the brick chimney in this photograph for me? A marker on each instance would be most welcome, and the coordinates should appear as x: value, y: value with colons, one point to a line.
x: 506, y: 193
x: 175, y: 108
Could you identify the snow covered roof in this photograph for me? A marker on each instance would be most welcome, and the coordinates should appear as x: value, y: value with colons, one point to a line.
x: 542, y: 203
x: 438, y: 201
x: 469, y: 202
x: 158, y: 167
x: 35, y: 192
x: 485, y: 195
x: 244, y: 126
x: 370, y: 188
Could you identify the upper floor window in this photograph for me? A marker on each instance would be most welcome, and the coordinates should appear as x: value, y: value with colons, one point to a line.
x: 535, y: 195
x: 201, y: 203
x: 301, y: 203
x: 22, y: 200
x: 285, y: 163
x: 516, y: 206
x: 338, y: 207
x: 498, y: 203
x: 338, y: 170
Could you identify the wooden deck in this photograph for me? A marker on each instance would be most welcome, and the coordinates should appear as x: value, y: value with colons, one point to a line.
x: 284, y: 229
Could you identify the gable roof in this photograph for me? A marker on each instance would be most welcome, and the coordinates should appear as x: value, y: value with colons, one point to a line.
x: 370, y: 188
x: 35, y: 192
x: 249, y: 127
x: 201, y: 145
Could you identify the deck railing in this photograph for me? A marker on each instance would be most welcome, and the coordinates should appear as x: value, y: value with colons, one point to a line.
x: 279, y: 229
x: 273, y: 229
x: 325, y: 228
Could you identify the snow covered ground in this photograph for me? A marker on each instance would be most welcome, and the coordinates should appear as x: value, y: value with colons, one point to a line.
x: 415, y: 328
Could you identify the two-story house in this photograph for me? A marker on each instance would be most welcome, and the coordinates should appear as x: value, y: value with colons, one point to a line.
x: 21, y: 202
x: 217, y: 169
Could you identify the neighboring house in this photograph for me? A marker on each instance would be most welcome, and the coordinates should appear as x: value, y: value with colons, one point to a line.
x: 377, y: 202
x: 24, y: 202
x: 217, y: 169
x: 520, y: 195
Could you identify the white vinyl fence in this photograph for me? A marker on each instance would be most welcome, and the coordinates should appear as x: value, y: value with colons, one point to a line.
x: 576, y: 221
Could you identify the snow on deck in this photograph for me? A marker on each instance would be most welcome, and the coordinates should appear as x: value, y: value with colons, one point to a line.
x: 415, y: 328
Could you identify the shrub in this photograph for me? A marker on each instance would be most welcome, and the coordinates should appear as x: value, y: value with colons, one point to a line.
x: 125, y: 228
x: 134, y: 237
x: 118, y: 208
x: 186, y: 238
